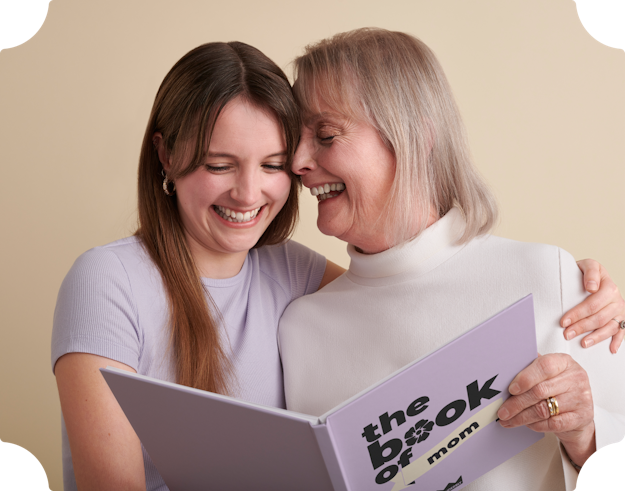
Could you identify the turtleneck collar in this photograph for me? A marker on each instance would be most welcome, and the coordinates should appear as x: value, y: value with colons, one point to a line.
x: 418, y: 256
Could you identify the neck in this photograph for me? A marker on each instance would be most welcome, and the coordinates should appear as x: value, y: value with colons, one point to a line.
x: 215, y: 264
x: 376, y: 245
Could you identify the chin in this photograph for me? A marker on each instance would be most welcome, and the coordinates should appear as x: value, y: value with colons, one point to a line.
x: 328, y: 229
x: 240, y: 245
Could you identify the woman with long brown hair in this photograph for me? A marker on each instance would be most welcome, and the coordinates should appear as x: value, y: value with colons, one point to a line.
x: 196, y: 294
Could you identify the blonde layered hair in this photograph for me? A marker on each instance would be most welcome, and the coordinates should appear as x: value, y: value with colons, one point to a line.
x: 394, y: 81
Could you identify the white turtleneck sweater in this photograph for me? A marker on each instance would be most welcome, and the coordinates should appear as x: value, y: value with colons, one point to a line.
x: 391, y: 308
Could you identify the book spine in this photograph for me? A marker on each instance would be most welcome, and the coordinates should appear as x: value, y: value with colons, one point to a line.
x: 330, y: 457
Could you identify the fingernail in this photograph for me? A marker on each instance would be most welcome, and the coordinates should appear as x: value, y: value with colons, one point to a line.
x: 570, y: 335
x: 503, y: 413
x: 514, y: 389
x: 591, y: 286
x: 566, y: 323
x: 588, y: 343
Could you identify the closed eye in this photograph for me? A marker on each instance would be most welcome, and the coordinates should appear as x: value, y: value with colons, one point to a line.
x: 217, y: 168
x: 274, y: 167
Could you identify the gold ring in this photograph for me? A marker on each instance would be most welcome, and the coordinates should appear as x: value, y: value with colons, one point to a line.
x: 552, y: 403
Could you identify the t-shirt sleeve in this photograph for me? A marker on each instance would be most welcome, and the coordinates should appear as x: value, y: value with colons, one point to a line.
x: 95, y: 311
x: 295, y: 267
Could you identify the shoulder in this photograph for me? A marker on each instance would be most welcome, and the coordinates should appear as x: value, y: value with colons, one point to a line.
x: 287, y: 252
x: 530, y: 252
x: 111, y: 259
x: 108, y: 271
x: 527, y: 254
x: 294, y: 266
x: 500, y: 256
x: 114, y: 252
x: 289, y: 256
x: 539, y: 260
x: 547, y: 271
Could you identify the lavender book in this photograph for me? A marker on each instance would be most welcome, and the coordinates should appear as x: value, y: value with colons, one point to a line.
x: 430, y: 426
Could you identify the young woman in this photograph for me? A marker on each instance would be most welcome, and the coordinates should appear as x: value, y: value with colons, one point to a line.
x: 196, y: 294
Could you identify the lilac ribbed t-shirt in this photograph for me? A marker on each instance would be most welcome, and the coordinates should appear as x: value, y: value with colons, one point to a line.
x: 112, y: 303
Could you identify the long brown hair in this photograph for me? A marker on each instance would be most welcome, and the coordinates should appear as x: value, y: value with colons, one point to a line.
x: 185, y: 110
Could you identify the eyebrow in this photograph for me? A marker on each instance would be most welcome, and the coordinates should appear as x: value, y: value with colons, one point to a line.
x: 231, y: 156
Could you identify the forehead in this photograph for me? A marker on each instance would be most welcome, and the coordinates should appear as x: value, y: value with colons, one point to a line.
x: 243, y: 124
x: 311, y: 119
x: 340, y: 115
x: 240, y: 115
x: 322, y: 99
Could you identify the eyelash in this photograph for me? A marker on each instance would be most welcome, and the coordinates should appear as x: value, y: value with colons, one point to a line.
x: 278, y: 167
x: 217, y: 169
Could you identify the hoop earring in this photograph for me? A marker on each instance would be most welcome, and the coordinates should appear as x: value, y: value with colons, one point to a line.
x: 166, y: 184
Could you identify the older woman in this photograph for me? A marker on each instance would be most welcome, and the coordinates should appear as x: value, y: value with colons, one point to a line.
x: 384, y: 150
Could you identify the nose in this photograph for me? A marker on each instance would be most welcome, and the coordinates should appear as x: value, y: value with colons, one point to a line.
x: 304, y: 158
x: 247, y: 188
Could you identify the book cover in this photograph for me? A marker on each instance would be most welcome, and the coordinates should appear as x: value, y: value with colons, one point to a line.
x: 431, y: 425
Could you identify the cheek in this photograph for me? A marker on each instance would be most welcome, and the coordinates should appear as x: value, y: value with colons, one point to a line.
x: 196, y: 193
x: 280, y: 188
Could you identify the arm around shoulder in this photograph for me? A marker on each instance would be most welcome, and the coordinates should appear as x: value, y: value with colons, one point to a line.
x: 106, y: 452
x: 600, y: 364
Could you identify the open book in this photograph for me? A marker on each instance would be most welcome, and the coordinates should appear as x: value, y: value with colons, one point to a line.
x: 432, y: 423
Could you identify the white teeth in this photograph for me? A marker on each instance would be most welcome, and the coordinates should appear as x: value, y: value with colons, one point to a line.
x: 236, y: 216
x: 323, y: 192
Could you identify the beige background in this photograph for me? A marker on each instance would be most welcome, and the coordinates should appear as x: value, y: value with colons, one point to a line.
x: 544, y: 104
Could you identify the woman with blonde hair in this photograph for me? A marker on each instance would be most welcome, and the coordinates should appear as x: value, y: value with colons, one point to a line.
x: 384, y: 150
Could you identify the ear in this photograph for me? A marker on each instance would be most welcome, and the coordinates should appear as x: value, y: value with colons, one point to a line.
x: 163, y: 154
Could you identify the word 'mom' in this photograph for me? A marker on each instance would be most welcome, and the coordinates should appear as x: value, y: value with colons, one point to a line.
x: 381, y: 454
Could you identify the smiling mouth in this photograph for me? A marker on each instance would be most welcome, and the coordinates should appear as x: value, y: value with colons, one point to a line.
x: 327, y: 191
x: 236, y: 216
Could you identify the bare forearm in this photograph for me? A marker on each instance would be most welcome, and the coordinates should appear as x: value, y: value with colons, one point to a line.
x: 106, y: 452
